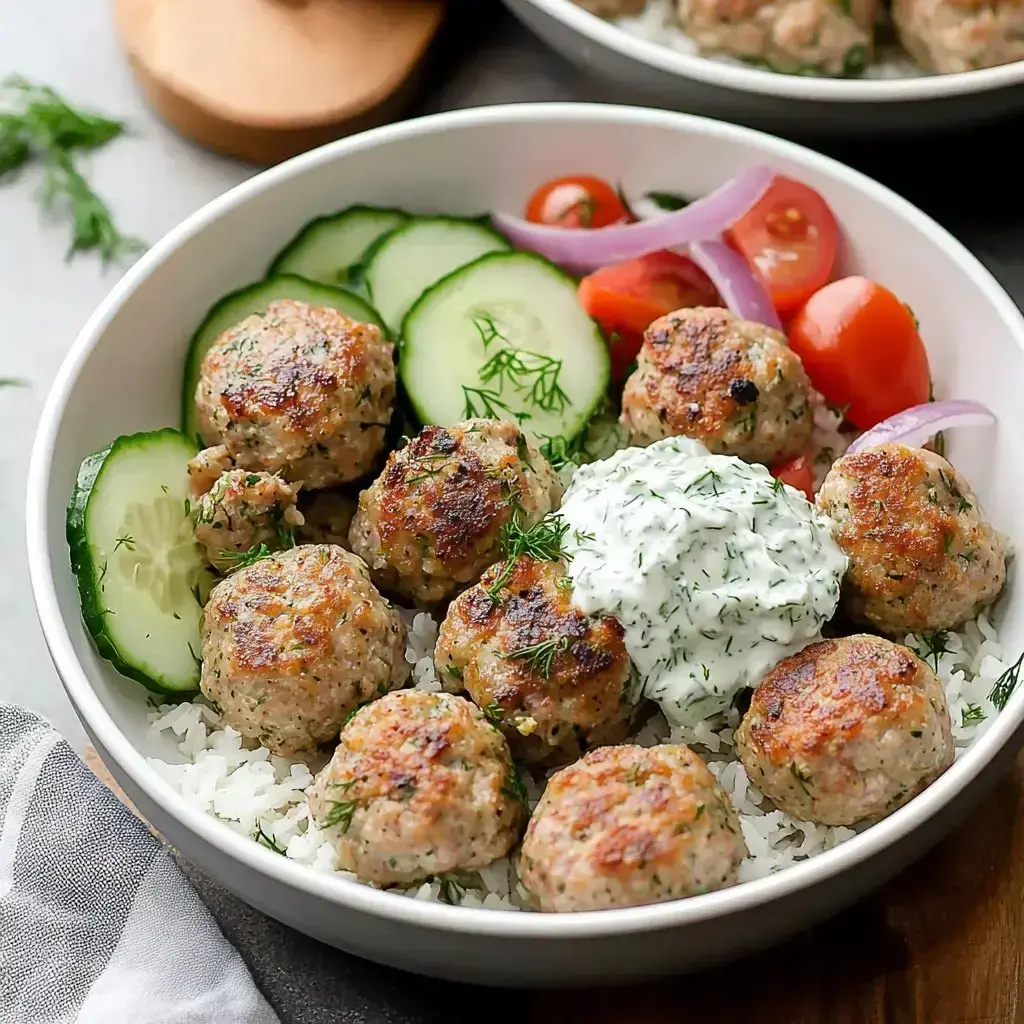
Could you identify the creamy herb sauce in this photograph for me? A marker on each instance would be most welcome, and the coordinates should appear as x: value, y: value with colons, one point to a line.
x: 715, y: 571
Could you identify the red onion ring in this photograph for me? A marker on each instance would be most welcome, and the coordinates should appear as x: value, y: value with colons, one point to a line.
x: 920, y: 423
x: 587, y: 249
x: 741, y: 289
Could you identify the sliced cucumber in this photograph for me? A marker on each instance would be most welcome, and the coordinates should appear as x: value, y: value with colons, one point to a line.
x: 405, y: 263
x: 255, y: 298
x: 141, y: 576
x: 505, y: 337
x: 326, y: 248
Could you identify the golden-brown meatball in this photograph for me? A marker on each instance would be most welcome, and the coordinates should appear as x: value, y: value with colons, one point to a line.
x: 327, y: 517
x: 431, y: 522
x: 298, y: 390
x: 922, y: 555
x: 846, y: 731
x: 626, y: 826
x: 822, y: 37
x: 557, y: 681
x: 733, y: 385
x: 960, y: 35
x: 242, y: 511
x: 292, y: 643
x: 420, y: 784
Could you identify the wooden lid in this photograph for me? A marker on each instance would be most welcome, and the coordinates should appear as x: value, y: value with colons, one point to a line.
x: 265, y: 79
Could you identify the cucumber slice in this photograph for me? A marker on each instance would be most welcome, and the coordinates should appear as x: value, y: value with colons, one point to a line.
x: 404, y: 264
x: 505, y: 337
x: 255, y: 298
x: 141, y: 576
x: 326, y: 248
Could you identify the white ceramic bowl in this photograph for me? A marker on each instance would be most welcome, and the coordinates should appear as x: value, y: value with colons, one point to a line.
x: 123, y: 374
x: 654, y: 73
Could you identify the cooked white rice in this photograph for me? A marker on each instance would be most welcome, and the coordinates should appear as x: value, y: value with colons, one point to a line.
x: 658, y: 23
x: 263, y: 796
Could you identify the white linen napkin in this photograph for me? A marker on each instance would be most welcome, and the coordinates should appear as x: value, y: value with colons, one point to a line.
x: 97, y: 924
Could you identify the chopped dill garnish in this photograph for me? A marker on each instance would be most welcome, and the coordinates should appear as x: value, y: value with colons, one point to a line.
x: 450, y: 889
x: 514, y: 786
x: 494, y: 713
x: 540, y: 656
x: 242, y: 559
x: 341, y: 811
x: 126, y: 541
x: 542, y: 541
x: 800, y: 775
x: 269, y: 842
x: 935, y: 645
x: 970, y: 714
x: 1004, y: 686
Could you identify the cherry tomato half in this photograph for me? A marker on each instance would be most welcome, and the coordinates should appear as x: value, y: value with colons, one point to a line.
x: 861, y: 348
x: 798, y: 473
x: 578, y: 201
x: 789, y: 237
x: 625, y: 298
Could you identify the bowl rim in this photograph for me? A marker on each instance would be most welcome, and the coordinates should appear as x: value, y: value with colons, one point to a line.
x: 771, y: 83
x: 354, y: 895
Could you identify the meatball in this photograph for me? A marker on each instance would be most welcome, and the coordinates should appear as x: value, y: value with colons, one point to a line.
x: 292, y: 643
x: 626, y: 826
x: 558, y: 681
x: 327, y: 517
x: 960, y: 35
x: 431, y: 522
x: 846, y: 731
x: 820, y: 37
x: 922, y: 556
x: 420, y: 784
x: 300, y: 391
x: 733, y: 385
x: 242, y: 511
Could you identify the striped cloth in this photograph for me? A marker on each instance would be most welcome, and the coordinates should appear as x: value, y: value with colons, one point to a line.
x: 97, y: 924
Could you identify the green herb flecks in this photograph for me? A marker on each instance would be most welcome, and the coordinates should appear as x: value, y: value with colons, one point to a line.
x: 514, y: 786
x: 534, y: 377
x: 971, y: 715
x: 341, y: 811
x: 269, y: 842
x: 38, y: 125
x: 542, y: 541
x: 934, y: 645
x: 242, y: 559
x: 540, y: 656
x: 450, y: 889
x: 1004, y: 686
x: 494, y: 713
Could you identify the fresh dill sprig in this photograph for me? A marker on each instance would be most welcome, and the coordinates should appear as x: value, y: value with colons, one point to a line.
x: 269, y: 842
x: 485, y: 403
x: 38, y: 124
x: 494, y: 713
x: 539, y: 656
x: 935, y: 644
x: 242, y: 559
x: 514, y: 786
x: 542, y: 541
x: 1004, y: 686
x: 341, y: 811
x: 970, y: 714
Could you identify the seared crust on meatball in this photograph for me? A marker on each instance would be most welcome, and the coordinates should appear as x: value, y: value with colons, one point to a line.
x: 431, y: 522
x: 301, y: 391
x: 242, y: 511
x: 846, y: 731
x: 823, y: 37
x: 558, y: 681
x: 733, y: 385
x: 960, y: 35
x: 626, y: 826
x: 922, y: 555
x: 292, y: 643
x: 418, y: 785
x: 327, y: 517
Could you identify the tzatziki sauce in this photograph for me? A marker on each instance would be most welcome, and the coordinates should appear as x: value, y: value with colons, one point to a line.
x: 715, y: 570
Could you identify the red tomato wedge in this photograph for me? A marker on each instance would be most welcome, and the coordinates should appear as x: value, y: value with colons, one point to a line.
x: 798, y: 473
x: 625, y: 298
x: 578, y: 201
x: 861, y: 348
x: 790, y: 238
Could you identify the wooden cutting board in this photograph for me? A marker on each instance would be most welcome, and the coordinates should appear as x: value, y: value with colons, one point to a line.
x: 941, y: 944
x: 262, y: 80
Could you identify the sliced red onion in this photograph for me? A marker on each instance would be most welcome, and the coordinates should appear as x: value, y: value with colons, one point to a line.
x: 589, y: 248
x: 742, y: 291
x: 920, y: 423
